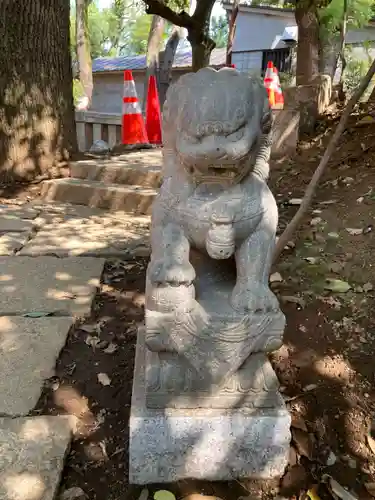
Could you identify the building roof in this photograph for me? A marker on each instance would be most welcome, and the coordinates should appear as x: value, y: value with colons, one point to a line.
x: 182, y: 60
x: 258, y: 8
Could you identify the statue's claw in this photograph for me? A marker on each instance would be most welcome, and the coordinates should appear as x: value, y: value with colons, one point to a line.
x: 170, y: 272
x: 255, y: 298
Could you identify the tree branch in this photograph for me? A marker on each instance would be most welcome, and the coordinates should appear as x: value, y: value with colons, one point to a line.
x: 311, y: 188
x: 179, y: 19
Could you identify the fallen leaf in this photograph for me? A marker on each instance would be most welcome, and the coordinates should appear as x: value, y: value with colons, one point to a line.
x: 298, y: 422
x: 335, y: 488
x: 37, y: 314
x: 311, y: 260
x: 295, y: 201
x: 164, y: 495
x: 354, y: 231
x: 111, y: 348
x: 312, y: 494
x: 294, y: 300
x: 309, y: 387
x: 315, y: 221
x: 90, y: 328
x: 360, y: 199
x: 104, y: 379
x: 92, y: 341
x: 72, y: 493
x: 337, y: 286
x: 304, y: 442
x: 336, y: 267
x: 370, y: 487
x: 333, y: 235
x: 328, y: 202
x: 367, y: 287
x: 276, y: 278
x: 371, y: 443
x: 144, y: 494
x: 331, y: 459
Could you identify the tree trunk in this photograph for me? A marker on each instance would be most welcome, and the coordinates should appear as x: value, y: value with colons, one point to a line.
x: 153, y: 46
x: 37, y: 129
x: 231, y: 32
x: 308, y: 42
x: 201, y: 55
x: 83, y: 49
x: 342, y: 40
x: 165, y: 72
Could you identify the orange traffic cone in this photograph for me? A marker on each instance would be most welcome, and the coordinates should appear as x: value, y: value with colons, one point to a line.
x: 133, y: 127
x: 153, y: 115
x: 268, y: 83
x: 279, y: 98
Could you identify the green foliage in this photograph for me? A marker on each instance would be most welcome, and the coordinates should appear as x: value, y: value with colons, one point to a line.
x: 354, y: 72
x: 358, y: 14
x: 77, y: 90
x: 219, y: 31
x: 121, y: 28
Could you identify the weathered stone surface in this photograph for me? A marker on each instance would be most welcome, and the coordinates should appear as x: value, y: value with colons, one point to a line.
x: 102, y: 235
x: 135, y: 199
x: 117, y: 171
x: 213, y: 444
x: 48, y: 284
x: 29, y: 348
x: 210, y: 315
x: 10, y: 243
x: 24, y: 211
x: 12, y: 223
x: 32, y: 454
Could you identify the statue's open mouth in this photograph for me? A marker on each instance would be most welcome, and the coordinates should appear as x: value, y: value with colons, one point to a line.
x: 216, y: 172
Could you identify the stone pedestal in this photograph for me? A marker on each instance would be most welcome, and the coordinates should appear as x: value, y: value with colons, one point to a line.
x: 170, y: 444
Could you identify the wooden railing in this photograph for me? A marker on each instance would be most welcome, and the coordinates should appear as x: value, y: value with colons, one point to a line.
x: 92, y: 126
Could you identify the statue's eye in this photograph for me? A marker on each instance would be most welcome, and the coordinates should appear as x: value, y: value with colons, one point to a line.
x: 237, y: 135
x: 193, y: 139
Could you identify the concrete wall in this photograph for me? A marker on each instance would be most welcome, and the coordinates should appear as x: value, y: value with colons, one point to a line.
x: 108, y: 90
x: 259, y: 29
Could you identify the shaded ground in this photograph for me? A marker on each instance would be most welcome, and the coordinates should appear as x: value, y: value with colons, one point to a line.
x: 326, y: 367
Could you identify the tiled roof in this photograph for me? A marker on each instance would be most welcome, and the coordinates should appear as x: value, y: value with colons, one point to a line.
x: 182, y: 59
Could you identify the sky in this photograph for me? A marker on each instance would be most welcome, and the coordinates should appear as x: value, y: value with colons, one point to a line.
x: 217, y: 10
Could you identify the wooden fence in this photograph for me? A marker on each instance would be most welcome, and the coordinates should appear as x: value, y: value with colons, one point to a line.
x: 92, y: 126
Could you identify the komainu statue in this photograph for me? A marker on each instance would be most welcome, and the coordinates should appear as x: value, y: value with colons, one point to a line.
x: 205, y: 399
x: 208, y: 304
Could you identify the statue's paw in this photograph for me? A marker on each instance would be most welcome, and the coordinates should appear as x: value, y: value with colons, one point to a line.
x: 256, y: 298
x: 172, y: 273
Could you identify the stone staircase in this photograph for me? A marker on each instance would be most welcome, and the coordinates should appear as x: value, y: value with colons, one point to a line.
x: 127, y: 182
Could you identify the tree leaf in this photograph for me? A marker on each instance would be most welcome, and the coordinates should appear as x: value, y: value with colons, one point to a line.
x: 37, y: 314
x: 354, y: 231
x: 104, y: 379
x: 371, y: 443
x: 164, y: 495
x: 338, y: 286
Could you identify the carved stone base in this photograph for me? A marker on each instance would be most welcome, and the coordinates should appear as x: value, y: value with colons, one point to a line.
x: 204, y: 443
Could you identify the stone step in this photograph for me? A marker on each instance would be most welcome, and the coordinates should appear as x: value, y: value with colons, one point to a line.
x: 32, y: 455
x: 117, y: 172
x: 134, y: 199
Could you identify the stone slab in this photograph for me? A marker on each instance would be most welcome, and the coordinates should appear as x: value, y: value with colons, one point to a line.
x: 29, y: 348
x: 102, y: 235
x: 24, y: 211
x: 132, y: 199
x: 32, y: 455
x: 172, y: 444
x: 10, y: 243
x: 14, y: 224
x: 48, y: 284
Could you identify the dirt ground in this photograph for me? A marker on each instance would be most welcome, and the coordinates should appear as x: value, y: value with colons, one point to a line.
x: 326, y: 286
